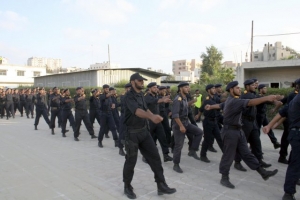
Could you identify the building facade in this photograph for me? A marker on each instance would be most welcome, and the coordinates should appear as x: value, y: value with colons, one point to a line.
x: 17, y: 75
x: 96, y: 78
x: 50, y: 63
x: 187, y: 70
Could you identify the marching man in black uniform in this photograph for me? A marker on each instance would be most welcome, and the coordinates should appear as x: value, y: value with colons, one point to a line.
x: 41, y: 107
x: 182, y: 126
x: 55, y: 107
x: 66, y: 111
x: 138, y: 137
x: 234, y: 139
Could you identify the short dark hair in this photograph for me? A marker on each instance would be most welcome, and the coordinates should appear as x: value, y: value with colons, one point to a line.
x: 197, y: 90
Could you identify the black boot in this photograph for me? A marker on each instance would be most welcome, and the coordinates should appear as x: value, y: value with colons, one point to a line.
x: 100, y: 144
x: 52, y: 131
x: 177, y: 168
x: 64, y: 135
x: 212, y: 149
x: 163, y: 188
x: 144, y: 160
x: 283, y: 160
x: 239, y: 166
x: 27, y: 117
x: 276, y: 145
x: 35, y: 127
x: 128, y: 191
x: 76, y: 139
x: 93, y: 136
x: 193, y: 154
x: 266, y: 174
x: 106, y: 136
x: 288, y: 196
x: 225, y: 181
x: 116, y: 143
x: 167, y: 158
x: 121, y: 152
x: 264, y: 165
x: 32, y: 117
x: 204, y: 159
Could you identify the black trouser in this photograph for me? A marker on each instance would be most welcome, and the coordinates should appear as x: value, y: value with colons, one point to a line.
x: 22, y: 107
x: 166, y: 125
x: 122, y: 131
x: 17, y: 107
x: 192, y: 131
x: 293, y: 170
x: 149, y: 151
x: 235, y: 143
x: 94, y: 114
x: 116, y: 117
x: 157, y: 131
x: 67, y: 115
x: 84, y: 116
x: 41, y: 110
x: 9, y: 109
x: 107, y: 121
x: 196, y: 111
x: 284, y: 141
x: 211, y: 131
x: 2, y: 108
x: 55, y: 112
x: 263, y: 121
x: 29, y: 109
x: 253, y: 137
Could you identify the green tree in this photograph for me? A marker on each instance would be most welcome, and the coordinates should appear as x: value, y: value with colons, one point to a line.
x: 170, y: 78
x: 211, y: 60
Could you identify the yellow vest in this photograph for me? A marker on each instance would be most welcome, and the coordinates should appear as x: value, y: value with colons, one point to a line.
x: 198, y: 102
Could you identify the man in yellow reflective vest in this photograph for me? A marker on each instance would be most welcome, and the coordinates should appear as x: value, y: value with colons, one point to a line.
x: 198, y: 103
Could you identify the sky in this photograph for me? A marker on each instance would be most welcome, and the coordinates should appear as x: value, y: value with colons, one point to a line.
x: 141, y: 33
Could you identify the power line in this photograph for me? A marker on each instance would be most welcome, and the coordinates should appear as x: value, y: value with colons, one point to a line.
x: 276, y: 34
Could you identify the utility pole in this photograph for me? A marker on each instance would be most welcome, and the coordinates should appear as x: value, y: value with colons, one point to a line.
x: 108, y: 57
x: 251, y: 55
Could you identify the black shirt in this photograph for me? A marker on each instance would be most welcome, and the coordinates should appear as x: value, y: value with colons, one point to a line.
x: 105, y: 102
x: 29, y: 98
x: 293, y: 112
x: 65, y: 105
x: 251, y: 110
x: 9, y: 97
x: 22, y: 97
x: 151, y: 101
x: 41, y: 100
x: 122, y: 103
x: 209, y: 113
x: 79, y: 105
x: 180, y: 109
x: 133, y: 101
x: 56, y: 102
x: 162, y: 107
x: 94, y: 103
x: 16, y: 98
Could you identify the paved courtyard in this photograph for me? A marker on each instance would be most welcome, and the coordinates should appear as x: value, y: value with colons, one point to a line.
x: 36, y: 165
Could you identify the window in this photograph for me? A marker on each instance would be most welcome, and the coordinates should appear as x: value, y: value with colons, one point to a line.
x: 256, y: 56
x: 2, y: 72
x: 36, y: 73
x: 20, y: 73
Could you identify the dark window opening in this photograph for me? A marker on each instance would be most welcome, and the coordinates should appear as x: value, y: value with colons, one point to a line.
x: 274, y: 85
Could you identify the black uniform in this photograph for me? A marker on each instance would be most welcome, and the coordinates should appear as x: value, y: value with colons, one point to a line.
x: 94, y: 109
x: 138, y: 134
x: 163, y: 112
x: 2, y: 105
x: 234, y: 139
x: 41, y: 109
x: 293, y: 170
x: 115, y: 112
x: 66, y: 111
x: 22, y: 103
x: 82, y: 114
x: 262, y: 120
x: 29, y: 101
x: 107, y: 119
x: 180, y: 109
x: 122, y: 125
x: 55, y: 108
x: 156, y: 130
x: 210, y: 126
x: 9, y: 106
x: 16, y: 99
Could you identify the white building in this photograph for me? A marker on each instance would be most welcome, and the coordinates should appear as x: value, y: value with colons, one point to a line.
x: 17, y: 75
x: 104, y: 65
x: 50, y: 63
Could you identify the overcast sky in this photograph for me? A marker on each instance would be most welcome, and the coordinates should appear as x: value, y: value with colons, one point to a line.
x: 141, y: 33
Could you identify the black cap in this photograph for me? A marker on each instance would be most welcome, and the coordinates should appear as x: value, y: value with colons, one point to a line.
x: 136, y: 76
x: 54, y: 88
x: 167, y: 87
x: 254, y: 79
x: 260, y: 86
x: 66, y: 90
x: 209, y: 86
x: 297, y: 82
x: 162, y: 87
x: 249, y: 82
x: 105, y: 86
x: 128, y: 85
x: 151, y: 84
x: 78, y: 88
x: 218, y: 85
x: 181, y: 84
x: 42, y: 88
x: 111, y: 88
x: 231, y: 85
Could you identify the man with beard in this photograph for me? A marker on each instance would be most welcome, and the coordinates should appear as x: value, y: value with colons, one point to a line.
x: 182, y: 127
x: 41, y: 108
x: 107, y: 119
x: 234, y: 139
x: 157, y: 130
x: 136, y: 116
x: 210, y: 124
